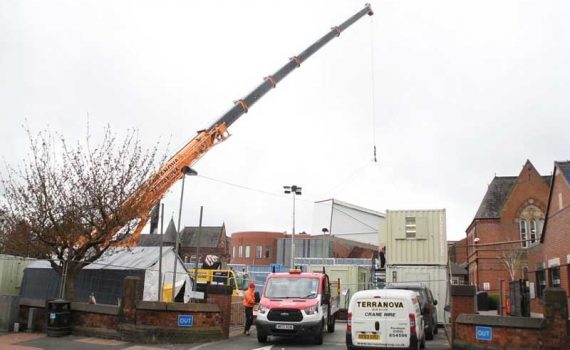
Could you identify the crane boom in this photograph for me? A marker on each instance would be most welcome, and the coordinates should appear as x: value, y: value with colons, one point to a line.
x: 294, y: 62
x: 150, y: 193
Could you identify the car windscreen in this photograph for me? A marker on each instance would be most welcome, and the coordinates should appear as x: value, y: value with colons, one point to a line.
x: 292, y: 287
x: 422, y: 297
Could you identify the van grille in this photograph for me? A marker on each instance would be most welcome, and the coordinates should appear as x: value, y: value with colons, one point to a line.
x: 285, y: 315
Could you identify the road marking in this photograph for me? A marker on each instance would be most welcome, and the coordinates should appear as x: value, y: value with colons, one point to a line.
x: 99, y: 341
x: 265, y: 348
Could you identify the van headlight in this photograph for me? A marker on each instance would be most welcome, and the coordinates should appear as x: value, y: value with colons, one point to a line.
x: 262, y: 309
x: 311, y: 310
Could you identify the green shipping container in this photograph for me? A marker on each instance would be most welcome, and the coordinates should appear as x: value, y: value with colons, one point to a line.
x: 11, y: 273
x: 352, y: 279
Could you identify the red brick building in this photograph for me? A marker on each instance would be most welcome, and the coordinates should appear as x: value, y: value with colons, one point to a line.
x: 260, y: 248
x: 457, y: 251
x: 548, y: 263
x: 208, y: 240
x: 512, y: 210
x: 254, y: 248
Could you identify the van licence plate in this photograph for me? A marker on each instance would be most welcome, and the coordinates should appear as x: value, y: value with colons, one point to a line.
x: 284, y: 326
x: 365, y: 336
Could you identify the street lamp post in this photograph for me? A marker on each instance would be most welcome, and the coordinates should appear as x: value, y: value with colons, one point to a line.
x: 294, y: 190
x: 185, y: 171
x: 325, y: 230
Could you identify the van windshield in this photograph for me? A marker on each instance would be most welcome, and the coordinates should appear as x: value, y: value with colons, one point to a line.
x: 289, y: 287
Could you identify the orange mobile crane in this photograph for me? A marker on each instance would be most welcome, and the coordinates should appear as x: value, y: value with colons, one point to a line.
x: 150, y: 193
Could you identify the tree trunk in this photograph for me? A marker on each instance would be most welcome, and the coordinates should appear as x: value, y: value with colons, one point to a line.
x: 69, y: 293
x: 69, y: 278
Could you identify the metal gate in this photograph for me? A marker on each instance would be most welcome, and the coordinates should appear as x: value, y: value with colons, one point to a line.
x: 519, y: 297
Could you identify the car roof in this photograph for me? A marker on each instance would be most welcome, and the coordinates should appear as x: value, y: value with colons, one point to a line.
x: 405, y: 285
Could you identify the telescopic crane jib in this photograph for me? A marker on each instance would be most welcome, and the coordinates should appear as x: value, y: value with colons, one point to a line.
x: 150, y: 193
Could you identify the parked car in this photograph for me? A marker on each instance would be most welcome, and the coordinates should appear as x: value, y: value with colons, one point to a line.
x: 427, y: 304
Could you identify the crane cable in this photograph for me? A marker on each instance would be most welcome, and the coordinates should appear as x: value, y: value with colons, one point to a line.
x: 373, y: 82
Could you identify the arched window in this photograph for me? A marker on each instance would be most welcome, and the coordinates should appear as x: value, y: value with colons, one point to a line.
x: 531, y: 221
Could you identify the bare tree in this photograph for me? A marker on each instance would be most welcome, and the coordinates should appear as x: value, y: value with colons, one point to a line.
x: 70, y: 204
x: 512, y: 257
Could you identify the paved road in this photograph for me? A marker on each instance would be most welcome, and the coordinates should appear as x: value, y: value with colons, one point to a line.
x: 336, y: 341
x: 331, y: 341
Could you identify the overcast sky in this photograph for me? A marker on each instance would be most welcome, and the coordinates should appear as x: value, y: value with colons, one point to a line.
x: 450, y: 92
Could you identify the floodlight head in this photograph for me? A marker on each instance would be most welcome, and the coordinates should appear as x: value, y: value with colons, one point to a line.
x: 186, y: 170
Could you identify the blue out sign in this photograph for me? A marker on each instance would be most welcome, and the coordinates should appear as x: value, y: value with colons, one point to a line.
x: 483, y: 333
x: 185, y: 320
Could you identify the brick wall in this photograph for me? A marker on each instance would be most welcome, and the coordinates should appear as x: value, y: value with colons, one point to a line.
x: 457, y: 251
x: 550, y: 332
x: 462, y: 302
x: 254, y: 239
x: 507, y: 332
x: 222, y: 297
x: 95, y: 320
x: 161, y: 314
x: 142, y: 321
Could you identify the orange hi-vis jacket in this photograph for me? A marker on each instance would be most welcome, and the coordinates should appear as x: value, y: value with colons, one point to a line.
x: 249, y: 298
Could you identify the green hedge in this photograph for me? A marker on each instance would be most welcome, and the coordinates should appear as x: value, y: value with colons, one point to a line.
x: 493, y: 301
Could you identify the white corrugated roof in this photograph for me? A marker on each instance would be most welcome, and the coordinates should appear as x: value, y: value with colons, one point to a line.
x: 120, y: 259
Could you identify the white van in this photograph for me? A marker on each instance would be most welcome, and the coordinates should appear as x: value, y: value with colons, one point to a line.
x: 385, y: 318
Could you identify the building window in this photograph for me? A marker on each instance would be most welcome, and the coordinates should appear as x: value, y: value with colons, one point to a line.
x: 247, y: 251
x: 533, y: 230
x: 523, y: 230
x: 541, y: 283
x: 259, y: 251
x: 555, y: 276
x: 531, y: 222
x: 240, y: 251
x: 410, y: 227
x: 233, y: 252
x: 530, y: 231
x: 268, y: 251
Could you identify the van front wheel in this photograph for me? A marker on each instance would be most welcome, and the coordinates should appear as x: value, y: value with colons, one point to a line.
x: 319, y: 335
x: 261, y: 338
x: 330, y: 323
